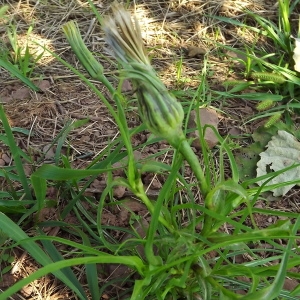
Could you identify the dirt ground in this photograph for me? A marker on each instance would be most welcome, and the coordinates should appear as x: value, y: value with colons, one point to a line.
x: 173, y: 31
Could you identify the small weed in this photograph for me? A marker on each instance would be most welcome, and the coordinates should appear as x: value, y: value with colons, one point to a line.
x: 271, y: 67
x: 21, y: 55
x: 20, y: 63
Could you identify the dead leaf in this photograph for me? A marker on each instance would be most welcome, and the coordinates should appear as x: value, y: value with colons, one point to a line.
x: 208, y: 116
x: 126, y: 86
x: 6, y: 158
x: 119, y: 191
x: 234, y: 131
x: 49, y: 151
x: 7, y: 280
x: 194, y: 51
x: 296, y: 55
x: 290, y: 284
x: 140, y: 228
x: 6, y: 99
x: 44, y: 85
x: 21, y: 93
x: 282, y: 151
x: 27, y: 169
x: 236, y: 55
x: 46, y: 214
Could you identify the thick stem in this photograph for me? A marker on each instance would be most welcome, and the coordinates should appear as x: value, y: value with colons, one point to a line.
x: 140, y: 193
x: 188, y: 153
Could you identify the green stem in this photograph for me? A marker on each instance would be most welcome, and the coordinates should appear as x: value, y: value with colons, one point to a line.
x: 188, y: 153
x: 140, y: 193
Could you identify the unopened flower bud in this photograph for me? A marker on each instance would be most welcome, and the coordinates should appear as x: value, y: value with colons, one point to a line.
x: 86, y: 58
x: 159, y: 109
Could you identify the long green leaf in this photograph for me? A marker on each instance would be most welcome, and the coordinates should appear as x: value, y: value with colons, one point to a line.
x: 15, y: 72
x: 132, y: 261
x: 15, y: 153
x: 13, y: 231
x: 56, y: 256
x: 273, y: 291
x: 52, y: 172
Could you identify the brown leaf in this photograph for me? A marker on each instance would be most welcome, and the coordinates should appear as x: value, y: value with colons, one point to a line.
x: 234, y: 131
x: 44, y: 85
x: 7, y: 280
x: 126, y: 86
x: 208, y: 116
x: 6, y: 158
x: 21, y: 93
x: 194, y: 51
x: 49, y: 151
x: 119, y: 191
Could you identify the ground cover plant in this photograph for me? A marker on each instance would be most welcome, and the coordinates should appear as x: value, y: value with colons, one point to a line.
x: 113, y: 188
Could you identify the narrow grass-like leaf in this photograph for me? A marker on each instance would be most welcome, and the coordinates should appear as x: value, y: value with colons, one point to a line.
x: 131, y: 261
x: 56, y: 256
x: 273, y: 291
x: 68, y: 127
x: 39, y: 185
x: 149, y: 247
x: 15, y: 72
x: 15, y: 153
x: 91, y: 272
x: 18, y: 235
x: 52, y: 172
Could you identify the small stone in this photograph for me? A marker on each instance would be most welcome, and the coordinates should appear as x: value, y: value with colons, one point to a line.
x: 21, y: 93
x: 119, y: 191
x: 6, y: 158
x: 44, y: 85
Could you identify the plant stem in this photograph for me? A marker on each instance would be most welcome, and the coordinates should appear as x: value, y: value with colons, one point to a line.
x: 186, y: 150
x: 140, y: 193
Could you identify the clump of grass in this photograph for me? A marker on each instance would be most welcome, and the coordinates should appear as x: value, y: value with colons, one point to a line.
x: 21, y: 65
x: 271, y: 66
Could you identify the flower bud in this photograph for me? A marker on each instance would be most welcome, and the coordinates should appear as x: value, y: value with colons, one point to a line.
x: 124, y: 37
x: 160, y: 110
x: 86, y: 58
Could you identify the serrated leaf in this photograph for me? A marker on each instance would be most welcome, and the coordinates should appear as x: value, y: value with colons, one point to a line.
x: 283, y: 151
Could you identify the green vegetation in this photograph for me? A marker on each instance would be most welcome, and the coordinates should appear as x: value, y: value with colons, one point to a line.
x: 19, y: 64
x: 268, y: 68
x: 190, y: 245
